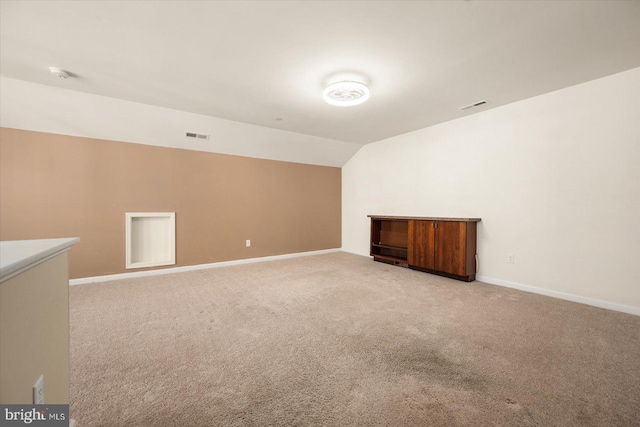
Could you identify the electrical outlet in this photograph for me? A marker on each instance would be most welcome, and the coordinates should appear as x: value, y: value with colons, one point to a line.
x: 38, y: 391
x: 510, y: 259
x: 248, y: 243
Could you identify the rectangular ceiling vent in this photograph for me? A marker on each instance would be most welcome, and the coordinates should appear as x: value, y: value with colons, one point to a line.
x: 475, y: 104
x: 197, y: 135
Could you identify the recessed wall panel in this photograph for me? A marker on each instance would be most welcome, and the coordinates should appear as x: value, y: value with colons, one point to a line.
x: 150, y: 239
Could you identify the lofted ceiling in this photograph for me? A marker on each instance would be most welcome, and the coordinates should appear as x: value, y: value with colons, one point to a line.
x: 258, y: 62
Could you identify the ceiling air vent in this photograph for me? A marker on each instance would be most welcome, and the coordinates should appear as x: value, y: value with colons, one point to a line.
x: 197, y: 135
x: 475, y: 104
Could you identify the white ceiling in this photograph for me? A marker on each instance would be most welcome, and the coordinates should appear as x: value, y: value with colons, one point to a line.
x: 252, y: 62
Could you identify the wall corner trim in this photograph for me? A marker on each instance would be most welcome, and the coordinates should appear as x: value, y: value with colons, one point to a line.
x: 111, y: 277
x: 561, y: 295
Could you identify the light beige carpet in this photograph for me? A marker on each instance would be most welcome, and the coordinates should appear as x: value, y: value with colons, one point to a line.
x: 340, y: 340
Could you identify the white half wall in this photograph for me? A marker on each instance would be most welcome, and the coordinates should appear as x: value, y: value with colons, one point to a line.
x: 555, y: 179
x: 36, y: 107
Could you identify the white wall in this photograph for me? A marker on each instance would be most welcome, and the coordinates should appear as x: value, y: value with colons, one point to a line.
x: 555, y: 179
x: 31, y: 106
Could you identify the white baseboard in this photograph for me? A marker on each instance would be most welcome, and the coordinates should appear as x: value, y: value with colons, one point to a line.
x: 499, y: 282
x: 555, y: 294
x: 110, y: 277
x: 355, y: 253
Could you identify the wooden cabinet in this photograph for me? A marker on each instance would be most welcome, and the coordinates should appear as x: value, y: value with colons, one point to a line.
x: 445, y: 246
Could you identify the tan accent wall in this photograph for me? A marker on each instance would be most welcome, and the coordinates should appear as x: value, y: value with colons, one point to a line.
x: 34, y: 333
x: 57, y: 186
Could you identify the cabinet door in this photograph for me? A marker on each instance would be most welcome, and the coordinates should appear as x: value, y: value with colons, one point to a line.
x: 450, y: 247
x: 421, y: 244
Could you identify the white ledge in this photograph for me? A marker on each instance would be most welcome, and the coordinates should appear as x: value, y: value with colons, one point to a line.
x: 17, y: 256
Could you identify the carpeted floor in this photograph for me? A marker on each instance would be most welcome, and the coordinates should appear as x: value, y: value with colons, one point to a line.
x: 340, y: 340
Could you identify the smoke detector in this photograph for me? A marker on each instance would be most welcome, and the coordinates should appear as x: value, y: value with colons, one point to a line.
x: 59, y: 72
x: 346, y: 94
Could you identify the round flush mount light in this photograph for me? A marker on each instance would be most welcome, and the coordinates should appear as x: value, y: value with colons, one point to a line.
x: 346, y: 94
x: 59, y: 72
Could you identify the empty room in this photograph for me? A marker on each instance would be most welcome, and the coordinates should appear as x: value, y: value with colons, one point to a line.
x: 304, y: 213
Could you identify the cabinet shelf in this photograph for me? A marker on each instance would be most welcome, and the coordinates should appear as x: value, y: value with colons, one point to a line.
x: 389, y: 241
x: 390, y: 259
x: 397, y: 248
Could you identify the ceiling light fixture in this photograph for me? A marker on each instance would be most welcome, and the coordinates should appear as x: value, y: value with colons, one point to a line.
x: 59, y: 72
x: 346, y: 94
